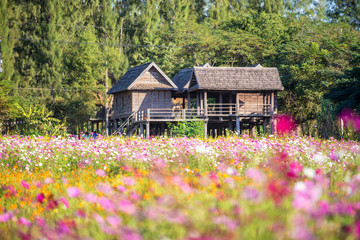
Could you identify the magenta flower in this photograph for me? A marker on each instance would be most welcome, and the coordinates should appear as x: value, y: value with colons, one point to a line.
x: 6, y: 217
x: 24, y: 221
x: 285, y: 124
x: 350, y: 119
x: 121, y: 188
x: 40, y: 197
x: 64, y: 201
x: 73, y: 192
x: 25, y: 184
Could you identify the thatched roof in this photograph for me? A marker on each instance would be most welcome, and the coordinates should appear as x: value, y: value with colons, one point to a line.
x: 129, y: 80
x: 182, y: 79
x: 229, y: 78
x: 237, y: 78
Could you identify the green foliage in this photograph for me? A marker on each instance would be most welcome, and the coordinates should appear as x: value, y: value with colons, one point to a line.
x: 39, y: 121
x: 188, y: 129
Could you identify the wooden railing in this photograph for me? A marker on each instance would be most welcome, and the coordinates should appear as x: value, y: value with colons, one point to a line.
x: 228, y: 109
x: 167, y: 114
x: 225, y: 109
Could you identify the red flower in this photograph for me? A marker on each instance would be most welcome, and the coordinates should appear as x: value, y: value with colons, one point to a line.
x: 277, y: 189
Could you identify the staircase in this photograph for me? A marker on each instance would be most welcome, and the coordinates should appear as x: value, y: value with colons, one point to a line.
x: 128, y: 127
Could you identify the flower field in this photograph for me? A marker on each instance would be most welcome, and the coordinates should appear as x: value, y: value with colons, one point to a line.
x: 179, y: 188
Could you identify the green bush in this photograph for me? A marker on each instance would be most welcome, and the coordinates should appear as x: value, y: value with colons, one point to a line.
x: 39, y: 122
x: 188, y: 128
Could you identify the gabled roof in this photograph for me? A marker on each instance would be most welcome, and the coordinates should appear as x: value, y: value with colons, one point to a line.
x: 127, y: 81
x: 183, y: 77
x: 237, y: 78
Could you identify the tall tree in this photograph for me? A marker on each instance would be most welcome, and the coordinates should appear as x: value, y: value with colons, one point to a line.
x: 345, y: 11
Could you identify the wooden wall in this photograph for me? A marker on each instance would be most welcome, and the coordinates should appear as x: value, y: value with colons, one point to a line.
x: 151, y: 99
x: 122, y: 104
x: 151, y: 80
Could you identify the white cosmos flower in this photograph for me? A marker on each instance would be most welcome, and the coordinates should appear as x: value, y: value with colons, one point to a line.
x: 309, y: 172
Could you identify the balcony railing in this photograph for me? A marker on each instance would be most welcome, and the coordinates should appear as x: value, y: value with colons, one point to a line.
x: 167, y: 114
x: 225, y: 109
x: 213, y: 110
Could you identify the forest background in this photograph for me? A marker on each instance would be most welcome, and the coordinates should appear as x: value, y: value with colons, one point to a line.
x: 57, y: 54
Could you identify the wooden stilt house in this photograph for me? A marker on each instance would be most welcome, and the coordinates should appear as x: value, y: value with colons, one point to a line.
x: 233, y: 98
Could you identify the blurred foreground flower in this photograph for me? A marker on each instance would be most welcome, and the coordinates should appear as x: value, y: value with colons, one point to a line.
x: 350, y: 119
x: 285, y: 124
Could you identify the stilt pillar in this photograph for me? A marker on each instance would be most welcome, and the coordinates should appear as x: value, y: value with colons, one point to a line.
x: 205, y: 128
x: 141, y: 130
x: 147, y: 129
x: 238, y: 126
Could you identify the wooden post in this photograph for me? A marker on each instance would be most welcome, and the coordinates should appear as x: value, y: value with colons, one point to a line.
x: 252, y: 129
x: 264, y: 126
x: 188, y: 100
x: 238, y: 126
x: 202, y: 102
x: 183, y: 103
x: 198, y: 103
x: 231, y: 127
x: 147, y: 129
x: 205, y: 103
x: 230, y: 103
x: 162, y: 129
x: 141, y: 130
x: 220, y: 101
x: 272, y: 123
x: 205, y: 128
x: 237, y: 104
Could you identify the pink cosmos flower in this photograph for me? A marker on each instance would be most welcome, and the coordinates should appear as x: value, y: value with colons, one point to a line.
x: 41, y: 222
x: 25, y: 184
x: 226, y: 221
x: 295, y: 169
x: 256, y: 175
x: 129, y: 181
x: 121, y: 188
x: 73, y: 192
x: 90, y: 197
x: 106, y: 204
x: 105, y: 188
x: 306, y: 195
x: 6, y: 217
x: 127, y: 207
x: 100, y: 172
x: 114, y: 221
x: 24, y: 221
x: 64, y: 201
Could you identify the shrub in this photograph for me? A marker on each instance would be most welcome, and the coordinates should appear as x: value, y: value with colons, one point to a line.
x: 188, y: 128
